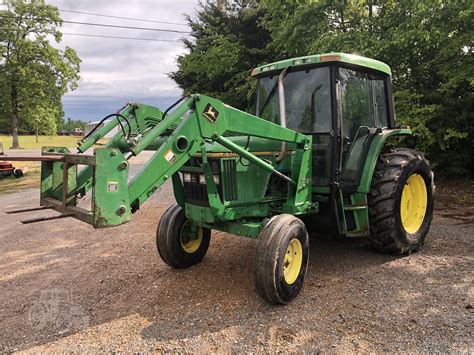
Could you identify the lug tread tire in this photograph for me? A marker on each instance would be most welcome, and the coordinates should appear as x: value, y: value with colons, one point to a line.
x: 273, y: 240
x: 168, y: 240
x: 391, y: 172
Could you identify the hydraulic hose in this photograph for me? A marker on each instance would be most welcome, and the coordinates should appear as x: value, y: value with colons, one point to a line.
x: 117, y: 115
x: 173, y: 105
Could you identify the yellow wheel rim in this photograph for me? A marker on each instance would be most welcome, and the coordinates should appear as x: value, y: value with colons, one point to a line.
x: 191, y: 245
x: 293, y: 261
x: 414, y: 203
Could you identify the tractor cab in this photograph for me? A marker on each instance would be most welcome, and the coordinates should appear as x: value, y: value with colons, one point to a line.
x: 343, y: 101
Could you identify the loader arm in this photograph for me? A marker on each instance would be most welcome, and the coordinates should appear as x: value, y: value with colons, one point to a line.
x: 208, y: 120
x: 141, y: 118
x: 175, y: 137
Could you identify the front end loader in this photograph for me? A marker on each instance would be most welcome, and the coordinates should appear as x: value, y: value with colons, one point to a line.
x: 313, y: 156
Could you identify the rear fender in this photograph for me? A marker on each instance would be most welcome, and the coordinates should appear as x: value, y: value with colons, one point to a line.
x: 373, y: 155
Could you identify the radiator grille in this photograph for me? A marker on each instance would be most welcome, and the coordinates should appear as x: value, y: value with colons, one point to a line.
x: 229, y: 179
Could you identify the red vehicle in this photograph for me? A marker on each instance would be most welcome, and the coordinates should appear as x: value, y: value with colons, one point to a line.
x: 7, y: 169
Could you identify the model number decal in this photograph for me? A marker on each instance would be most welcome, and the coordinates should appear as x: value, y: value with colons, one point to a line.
x: 169, y: 156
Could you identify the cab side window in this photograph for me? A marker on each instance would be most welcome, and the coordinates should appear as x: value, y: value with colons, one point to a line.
x: 363, y: 101
x: 380, y: 103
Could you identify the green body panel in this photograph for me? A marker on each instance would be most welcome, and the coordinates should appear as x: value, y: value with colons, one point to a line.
x: 321, y: 190
x: 323, y: 58
x: 244, y: 227
x: 52, y: 178
x: 178, y: 190
x: 110, y: 203
x: 373, y: 155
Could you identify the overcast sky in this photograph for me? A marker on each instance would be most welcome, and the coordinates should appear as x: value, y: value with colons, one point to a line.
x: 115, y: 71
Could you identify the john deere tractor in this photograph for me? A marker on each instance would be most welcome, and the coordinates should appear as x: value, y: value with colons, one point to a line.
x: 314, y: 151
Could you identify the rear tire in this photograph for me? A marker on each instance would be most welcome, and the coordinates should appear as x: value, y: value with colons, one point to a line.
x: 180, y: 243
x: 401, y: 202
x: 282, y: 259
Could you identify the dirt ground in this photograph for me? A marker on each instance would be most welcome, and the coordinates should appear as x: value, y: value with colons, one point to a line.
x: 67, y: 287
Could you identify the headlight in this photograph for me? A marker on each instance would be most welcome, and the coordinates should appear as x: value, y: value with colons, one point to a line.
x: 202, y: 179
x: 186, y: 177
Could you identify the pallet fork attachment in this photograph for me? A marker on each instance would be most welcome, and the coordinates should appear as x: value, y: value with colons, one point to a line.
x: 109, y: 205
x: 59, y: 173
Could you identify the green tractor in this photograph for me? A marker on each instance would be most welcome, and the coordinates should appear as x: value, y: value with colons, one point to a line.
x: 312, y: 157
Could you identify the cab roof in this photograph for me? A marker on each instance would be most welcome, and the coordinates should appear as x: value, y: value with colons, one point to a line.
x: 323, y: 58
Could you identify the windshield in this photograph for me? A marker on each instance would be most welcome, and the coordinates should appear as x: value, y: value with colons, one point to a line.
x: 307, y: 100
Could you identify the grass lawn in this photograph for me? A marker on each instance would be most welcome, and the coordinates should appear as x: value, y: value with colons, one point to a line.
x: 29, y: 142
x: 31, y: 178
x: 32, y: 169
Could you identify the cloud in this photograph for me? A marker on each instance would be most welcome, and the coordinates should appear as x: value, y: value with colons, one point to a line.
x: 115, y: 71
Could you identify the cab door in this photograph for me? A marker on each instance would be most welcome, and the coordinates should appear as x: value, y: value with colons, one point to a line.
x: 363, y: 110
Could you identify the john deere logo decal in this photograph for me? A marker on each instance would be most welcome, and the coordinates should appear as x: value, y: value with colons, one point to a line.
x: 211, y: 113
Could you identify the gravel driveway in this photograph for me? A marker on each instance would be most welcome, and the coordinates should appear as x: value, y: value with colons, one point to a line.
x: 67, y: 287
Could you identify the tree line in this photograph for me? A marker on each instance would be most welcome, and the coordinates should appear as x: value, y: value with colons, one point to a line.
x: 34, y: 74
x: 427, y: 43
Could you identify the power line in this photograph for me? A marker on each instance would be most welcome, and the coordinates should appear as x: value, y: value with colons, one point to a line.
x: 113, y: 26
x: 119, y: 37
x: 159, y: 93
x: 127, y: 27
x: 116, y: 37
x: 172, y: 93
x: 123, y: 18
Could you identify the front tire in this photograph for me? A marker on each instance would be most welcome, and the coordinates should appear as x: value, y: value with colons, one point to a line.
x: 401, y: 202
x: 180, y: 243
x: 282, y: 259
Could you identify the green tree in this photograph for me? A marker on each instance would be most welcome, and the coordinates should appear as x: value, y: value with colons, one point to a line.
x: 428, y: 45
x: 227, y: 44
x: 34, y: 75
